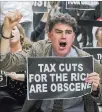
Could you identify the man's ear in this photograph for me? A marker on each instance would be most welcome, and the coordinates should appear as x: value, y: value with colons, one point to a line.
x: 96, y: 37
x: 49, y: 35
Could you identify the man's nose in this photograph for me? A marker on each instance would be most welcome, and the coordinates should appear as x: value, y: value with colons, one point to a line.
x: 64, y: 35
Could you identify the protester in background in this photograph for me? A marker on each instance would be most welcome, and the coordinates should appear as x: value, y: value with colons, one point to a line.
x: 97, y: 36
x: 87, y: 30
x: 19, y: 43
x: 61, y: 34
x: 13, y: 96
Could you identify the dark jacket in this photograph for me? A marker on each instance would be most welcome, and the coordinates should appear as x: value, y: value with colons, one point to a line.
x: 38, y: 33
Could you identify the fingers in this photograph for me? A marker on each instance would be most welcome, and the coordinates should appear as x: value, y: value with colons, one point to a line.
x: 94, y: 79
x: 14, y: 16
x: 11, y: 74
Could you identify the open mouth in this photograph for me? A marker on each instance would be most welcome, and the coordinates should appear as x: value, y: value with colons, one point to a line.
x: 12, y: 36
x: 62, y: 44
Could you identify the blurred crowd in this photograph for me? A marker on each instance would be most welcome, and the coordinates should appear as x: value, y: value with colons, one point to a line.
x: 34, y: 23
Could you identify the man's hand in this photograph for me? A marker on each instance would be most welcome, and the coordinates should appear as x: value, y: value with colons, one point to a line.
x: 94, y: 79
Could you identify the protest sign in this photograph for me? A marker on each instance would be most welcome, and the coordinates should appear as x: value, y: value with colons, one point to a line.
x: 81, y: 5
x: 96, y: 52
x: 39, y: 6
x: 3, y: 79
x: 54, y: 78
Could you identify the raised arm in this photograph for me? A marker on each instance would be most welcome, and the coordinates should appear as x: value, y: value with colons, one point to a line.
x: 8, y: 61
x: 16, y: 76
x: 12, y: 18
x: 39, y: 28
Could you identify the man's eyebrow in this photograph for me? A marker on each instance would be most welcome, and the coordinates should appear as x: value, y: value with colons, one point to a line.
x: 62, y: 30
x: 58, y: 30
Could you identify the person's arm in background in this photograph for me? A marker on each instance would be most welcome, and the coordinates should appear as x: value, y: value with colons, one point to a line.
x: 10, y: 62
x: 39, y: 28
x: 16, y: 76
x: 9, y: 22
x: 54, y: 8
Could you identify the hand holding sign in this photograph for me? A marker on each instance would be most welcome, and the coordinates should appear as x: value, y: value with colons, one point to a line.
x: 94, y: 79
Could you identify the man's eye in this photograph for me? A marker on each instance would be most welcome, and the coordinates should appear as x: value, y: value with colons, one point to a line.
x: 58, y: 31
x: 68, y: 32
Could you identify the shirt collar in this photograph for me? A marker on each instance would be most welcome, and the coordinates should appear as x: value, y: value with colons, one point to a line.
x: 72, y: 53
